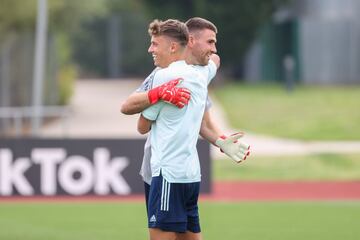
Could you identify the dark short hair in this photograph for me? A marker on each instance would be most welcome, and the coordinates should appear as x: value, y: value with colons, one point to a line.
x: 198, y: 23
x: 171, y: 28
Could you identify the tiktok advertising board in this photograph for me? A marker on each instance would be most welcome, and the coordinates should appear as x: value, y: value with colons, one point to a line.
x: 78, y: 167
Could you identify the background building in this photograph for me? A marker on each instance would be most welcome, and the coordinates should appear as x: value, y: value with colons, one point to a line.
x: 322, y: 38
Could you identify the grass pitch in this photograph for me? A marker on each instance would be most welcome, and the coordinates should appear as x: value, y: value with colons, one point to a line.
x: 114, y: 221
x: 315, y: 167
x: 308, y: 113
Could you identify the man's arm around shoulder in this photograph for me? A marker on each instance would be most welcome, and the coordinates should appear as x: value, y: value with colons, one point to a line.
x: 135, y: 103
x: 168, y: 92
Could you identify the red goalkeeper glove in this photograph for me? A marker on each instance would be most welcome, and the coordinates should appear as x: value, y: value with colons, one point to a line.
x: 236, y: 150
x: 168, y: 92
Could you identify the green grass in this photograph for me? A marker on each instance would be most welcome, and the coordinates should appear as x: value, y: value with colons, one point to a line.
x: 285, y: 168
x: 76, y: 221
x: 114, y: 221
x: 281, y: 221
x: 309, y: 113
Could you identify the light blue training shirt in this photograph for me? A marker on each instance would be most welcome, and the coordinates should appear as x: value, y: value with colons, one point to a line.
x: 174, y: 132
x: 145, y: 170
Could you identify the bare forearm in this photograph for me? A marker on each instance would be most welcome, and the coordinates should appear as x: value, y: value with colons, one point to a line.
x: 135, y: 103
x: 144, y: 125
x: 209, y: 130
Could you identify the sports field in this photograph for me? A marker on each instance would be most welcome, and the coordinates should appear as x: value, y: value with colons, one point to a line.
x: 308, y: 113
x: 313, y: 167
x: 110, y: 221
x: 221, y: 218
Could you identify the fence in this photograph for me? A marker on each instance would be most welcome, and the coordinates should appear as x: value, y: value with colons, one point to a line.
x: 16, y: 83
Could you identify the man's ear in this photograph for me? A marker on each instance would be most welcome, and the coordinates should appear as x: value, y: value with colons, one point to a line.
x: 191, y: 40
x: 174, y: 47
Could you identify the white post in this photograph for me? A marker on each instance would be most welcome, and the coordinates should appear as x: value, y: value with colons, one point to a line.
x: 39, y: 64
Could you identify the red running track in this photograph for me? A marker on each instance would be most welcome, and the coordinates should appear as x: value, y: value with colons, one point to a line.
x: 240, y: 191
x: 270, y: 191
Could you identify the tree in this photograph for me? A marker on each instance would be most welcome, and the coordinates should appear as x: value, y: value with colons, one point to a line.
x: 237, y: 21
x: 16, y: 15
x: 124, y: 19
x: 17, y: 28
x: 20, y: 15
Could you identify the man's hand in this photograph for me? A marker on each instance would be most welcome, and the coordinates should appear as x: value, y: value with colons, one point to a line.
x: 236, y: 150
x: 168, y: 92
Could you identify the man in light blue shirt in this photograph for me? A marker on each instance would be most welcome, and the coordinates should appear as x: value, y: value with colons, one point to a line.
x: 172, y: 207
x: 175, y: 133
x: 201, y: 46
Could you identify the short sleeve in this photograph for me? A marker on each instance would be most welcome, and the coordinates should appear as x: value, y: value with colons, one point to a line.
x: 148, y: 82
x: 208, y: 103
x: 152, y: 112
x: 143, y: 87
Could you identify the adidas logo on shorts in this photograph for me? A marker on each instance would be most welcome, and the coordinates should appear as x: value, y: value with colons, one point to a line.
x: 153, y: 218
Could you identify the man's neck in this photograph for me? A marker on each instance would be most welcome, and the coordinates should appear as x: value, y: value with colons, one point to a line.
x: 177, y: 57
x: 189, y: 58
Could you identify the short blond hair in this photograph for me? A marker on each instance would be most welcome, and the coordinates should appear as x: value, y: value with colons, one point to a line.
x: 172, y: 28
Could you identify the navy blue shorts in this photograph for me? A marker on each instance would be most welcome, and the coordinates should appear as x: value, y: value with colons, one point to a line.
x: 173, y: 207
x: 147, y: 190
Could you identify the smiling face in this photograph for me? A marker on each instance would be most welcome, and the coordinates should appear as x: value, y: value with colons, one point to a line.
x: 161, y: 50
x: 204, y: 44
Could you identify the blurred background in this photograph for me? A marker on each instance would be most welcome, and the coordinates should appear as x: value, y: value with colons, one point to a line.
x: 310, y: 46
x: 289, y: 78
